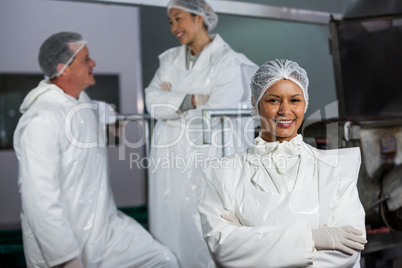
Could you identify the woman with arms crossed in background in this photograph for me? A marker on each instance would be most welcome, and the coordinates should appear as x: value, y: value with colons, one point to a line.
x: 283, y: 203
x: 202, y: 73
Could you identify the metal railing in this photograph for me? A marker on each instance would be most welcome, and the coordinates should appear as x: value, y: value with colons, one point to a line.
x: 238, y: 8
x: 208, y: 115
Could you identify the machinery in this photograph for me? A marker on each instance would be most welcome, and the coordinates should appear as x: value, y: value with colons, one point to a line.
x: 367, y: 57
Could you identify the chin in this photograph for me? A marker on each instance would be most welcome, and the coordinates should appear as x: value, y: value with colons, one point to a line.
x: 287, y: 136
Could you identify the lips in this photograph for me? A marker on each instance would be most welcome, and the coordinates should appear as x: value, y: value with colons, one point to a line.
x: 283, y: 122
x: 179, y: 34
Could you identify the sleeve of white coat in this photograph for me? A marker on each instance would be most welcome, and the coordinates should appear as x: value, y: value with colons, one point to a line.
x: 349, y: 212
x: 264, y: 246
x: 42, y: 203
x: 162, y: 104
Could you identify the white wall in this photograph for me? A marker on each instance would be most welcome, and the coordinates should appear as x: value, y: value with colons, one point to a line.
x: 113, y: 39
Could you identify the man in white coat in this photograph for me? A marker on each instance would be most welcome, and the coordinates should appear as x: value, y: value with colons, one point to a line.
x: 69, y: 218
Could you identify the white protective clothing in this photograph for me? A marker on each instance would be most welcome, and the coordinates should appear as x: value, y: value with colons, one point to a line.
x: 177, y: 149
x: 74, y: 263
x: 68, y: 209
x: 277, y: 219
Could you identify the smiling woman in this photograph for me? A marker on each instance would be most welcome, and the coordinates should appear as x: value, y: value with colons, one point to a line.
x: 203, y: 73
x: 282, y: 193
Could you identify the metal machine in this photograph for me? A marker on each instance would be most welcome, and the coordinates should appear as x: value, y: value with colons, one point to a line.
x: 367, y: 56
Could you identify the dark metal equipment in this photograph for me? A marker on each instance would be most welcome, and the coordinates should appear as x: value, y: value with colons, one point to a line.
x: 367, y: 58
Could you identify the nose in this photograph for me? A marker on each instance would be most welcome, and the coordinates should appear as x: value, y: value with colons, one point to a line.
x: 284, y: 108
x: 173, y: 27
x: 92, y: 63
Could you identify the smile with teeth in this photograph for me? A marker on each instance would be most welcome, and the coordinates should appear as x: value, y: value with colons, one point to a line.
x: 178, y: 35
x: 283, y: 121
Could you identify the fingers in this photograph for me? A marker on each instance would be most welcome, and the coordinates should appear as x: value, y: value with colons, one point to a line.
x: 353, y: 234
x: 352, y: 239
x: 351, y: 229
x: 166, y: 86
x: 344, y: 249
x: 200, y: 99
x: 353, y: 245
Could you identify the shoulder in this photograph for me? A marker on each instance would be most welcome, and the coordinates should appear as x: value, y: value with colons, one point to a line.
x: 335, y: 156
x: 45, y: 118
x: 226, y: 55
x: 338, y: 168
x: 222, y: 50
x: 170, y: 54
x: 48, y: 110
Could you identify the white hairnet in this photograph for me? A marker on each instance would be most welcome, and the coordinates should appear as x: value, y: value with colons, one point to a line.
x: 199, y: 7
x: 271, y: 72
x: 59, y: 48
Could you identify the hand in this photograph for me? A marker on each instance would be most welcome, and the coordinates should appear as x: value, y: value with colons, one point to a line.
x: 231, y: 219
x: 166, y: 86
x: 199, y: 99
x: 344, y: 239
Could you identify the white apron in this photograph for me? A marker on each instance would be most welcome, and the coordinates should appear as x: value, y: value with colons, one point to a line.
x: 277, y: 223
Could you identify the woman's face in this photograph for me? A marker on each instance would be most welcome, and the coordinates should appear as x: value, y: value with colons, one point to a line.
x: 184, y: 25
x: 282, y: 111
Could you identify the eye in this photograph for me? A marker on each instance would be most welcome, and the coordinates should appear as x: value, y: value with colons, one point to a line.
x: 295, y: 100
x: 272, y: 100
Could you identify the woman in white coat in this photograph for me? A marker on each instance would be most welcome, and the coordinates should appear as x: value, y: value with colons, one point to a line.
x: 283, y: 203
x: 202, y: 73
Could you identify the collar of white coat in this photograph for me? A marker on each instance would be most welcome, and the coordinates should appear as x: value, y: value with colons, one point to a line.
x: 46, y: 86
x: 256, y: 154
x: 285, y: 149
x: 205, y: 54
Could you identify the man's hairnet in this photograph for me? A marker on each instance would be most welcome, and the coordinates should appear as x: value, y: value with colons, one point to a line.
x: 199, y: 7
x: 59, y: 48
x: 271, y: 72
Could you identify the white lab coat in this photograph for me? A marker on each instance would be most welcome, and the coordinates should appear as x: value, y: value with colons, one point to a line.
x: 277, y: 223
x: 67, y: 205
x: 177, y: 149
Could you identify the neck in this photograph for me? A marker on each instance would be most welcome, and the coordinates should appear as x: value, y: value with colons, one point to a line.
x: 199, y: 43
x: 68, y: 88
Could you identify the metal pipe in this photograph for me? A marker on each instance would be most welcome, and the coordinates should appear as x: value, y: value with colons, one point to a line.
x: 147, y: 121
x: 209, y: 113
x: 238, y: 8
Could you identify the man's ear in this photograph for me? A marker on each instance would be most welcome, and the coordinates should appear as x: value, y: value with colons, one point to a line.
x: 60, y: 67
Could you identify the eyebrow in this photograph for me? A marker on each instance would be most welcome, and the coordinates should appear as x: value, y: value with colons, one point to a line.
x: 279, y: 96
x: 175, y: 14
